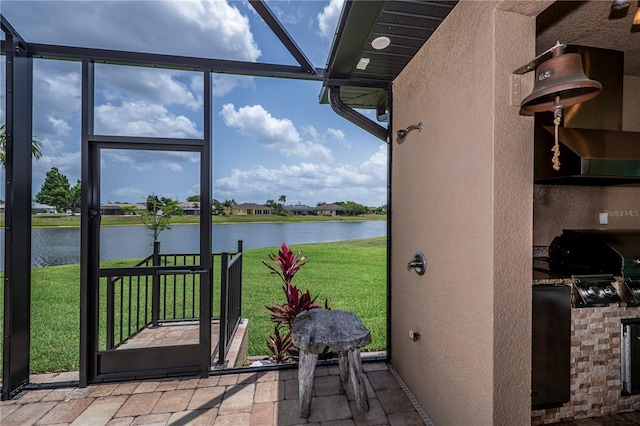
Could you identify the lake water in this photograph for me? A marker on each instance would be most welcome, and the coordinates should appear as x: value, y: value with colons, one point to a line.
x: 61, y: 246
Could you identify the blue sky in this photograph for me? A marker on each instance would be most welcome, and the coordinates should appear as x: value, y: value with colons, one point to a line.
x: 271, y: 137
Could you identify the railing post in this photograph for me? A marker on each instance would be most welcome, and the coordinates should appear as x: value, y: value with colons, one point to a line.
x: 110, y: 312
x: 155, y: 286
x: 240, y: 280
x: 224, y: 277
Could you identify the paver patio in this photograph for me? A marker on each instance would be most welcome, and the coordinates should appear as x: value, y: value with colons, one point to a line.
x: 244, y: 398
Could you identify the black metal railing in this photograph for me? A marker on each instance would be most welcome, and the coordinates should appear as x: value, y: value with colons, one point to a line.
x: 136, y: 298
x: 230, y: 299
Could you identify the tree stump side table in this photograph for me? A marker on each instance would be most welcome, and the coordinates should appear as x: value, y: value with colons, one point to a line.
x: 343, y: 332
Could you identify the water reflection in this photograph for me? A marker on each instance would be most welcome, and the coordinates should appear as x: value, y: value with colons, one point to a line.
x: 61, y: 246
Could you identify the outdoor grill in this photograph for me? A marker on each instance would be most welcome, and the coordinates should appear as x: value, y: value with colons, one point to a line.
x: 594, y: 258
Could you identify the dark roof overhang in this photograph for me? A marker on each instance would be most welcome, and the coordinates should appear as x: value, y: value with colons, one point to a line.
x: 407, y: 23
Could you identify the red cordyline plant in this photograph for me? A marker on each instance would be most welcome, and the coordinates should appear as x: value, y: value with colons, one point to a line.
x: 286, y: 265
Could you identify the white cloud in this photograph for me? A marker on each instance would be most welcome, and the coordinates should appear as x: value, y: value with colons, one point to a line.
x: 202, y: 28
x: 271, y: 132
x: 220, y: 23
x: 140, y: 118
x: 168, y: 87
x: 196, y: 28
x: 338, y: 136
x: 61, y: 127
x: 328, y: 18
x: 128, y: 192
x: 291, y: 15
x: 174, y: 161
x: 224, y: 83
x: 309, y: 183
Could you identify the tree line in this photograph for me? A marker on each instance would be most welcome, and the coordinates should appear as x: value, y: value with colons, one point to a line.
x: 56, y: 191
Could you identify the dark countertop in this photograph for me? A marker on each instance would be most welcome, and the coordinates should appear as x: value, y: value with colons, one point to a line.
x: 542, y: 273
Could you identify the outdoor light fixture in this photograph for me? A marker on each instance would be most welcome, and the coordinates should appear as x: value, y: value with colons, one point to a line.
x: 380, y: 43
x: 636, y: 17
x: 560, y: 82
x: 404, y: 132
x: 362, y: 63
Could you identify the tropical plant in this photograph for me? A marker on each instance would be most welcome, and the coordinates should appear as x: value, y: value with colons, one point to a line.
x: 36, y: 146
x: 228, y: 205
x: 280, y: 346
x: 158, y: 214
x: 285, y: 265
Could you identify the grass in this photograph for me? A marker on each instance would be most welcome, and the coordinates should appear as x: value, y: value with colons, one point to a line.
x: 350, y: 274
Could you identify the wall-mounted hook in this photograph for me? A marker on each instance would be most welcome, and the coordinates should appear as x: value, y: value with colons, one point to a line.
x: 418, y: 263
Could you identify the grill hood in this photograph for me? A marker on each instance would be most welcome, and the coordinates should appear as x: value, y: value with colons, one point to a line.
x: 593, y: 148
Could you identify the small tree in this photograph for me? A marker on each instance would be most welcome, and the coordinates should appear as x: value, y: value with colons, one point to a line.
x: 217, y: 206
x: 158, y: 214
x: 56, y: 191
x: 228, y: 204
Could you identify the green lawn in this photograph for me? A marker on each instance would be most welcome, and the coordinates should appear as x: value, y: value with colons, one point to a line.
x: 350, y: 274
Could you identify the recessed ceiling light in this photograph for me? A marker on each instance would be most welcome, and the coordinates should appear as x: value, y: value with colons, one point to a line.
x: 380, y: 43
x: 362, y: 63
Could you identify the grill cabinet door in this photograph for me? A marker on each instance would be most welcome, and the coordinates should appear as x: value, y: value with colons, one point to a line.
x: 550, y: 346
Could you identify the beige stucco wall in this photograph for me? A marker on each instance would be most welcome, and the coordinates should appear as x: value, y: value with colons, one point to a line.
x: 631, y: 104
x: 578, y: 207
x: 462, y: 194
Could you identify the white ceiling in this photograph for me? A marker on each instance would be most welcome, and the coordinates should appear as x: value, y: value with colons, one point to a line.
x: 591, y: 23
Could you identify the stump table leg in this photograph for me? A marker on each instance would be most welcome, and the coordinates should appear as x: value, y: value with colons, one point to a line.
x: 306, y: 373
x: 343, y: 365
x: 357, y: 378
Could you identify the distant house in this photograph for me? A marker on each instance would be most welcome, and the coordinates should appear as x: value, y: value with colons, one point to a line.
x: 329, y: 210
x: 38, y: 208
x: 372, y: 210
x: 299, y: 210
x: 250, y: 209
x: 191, y: 208
x: 116, y: 209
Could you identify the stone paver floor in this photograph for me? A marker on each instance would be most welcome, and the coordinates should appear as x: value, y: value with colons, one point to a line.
x: 246, y: 398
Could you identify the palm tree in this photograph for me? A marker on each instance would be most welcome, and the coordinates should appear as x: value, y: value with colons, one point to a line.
x: 36, y: 146
x: 282, y: 199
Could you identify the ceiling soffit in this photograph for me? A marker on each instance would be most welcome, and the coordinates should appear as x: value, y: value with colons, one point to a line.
x: 407, y: 23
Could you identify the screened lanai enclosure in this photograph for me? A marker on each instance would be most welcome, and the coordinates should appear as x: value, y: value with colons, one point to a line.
x: 194, y: 298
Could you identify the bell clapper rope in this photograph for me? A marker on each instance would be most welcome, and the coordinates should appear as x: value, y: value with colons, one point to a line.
x: 557, y: 116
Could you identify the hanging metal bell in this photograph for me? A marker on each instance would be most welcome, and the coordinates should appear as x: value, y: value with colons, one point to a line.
x: 560, y: 82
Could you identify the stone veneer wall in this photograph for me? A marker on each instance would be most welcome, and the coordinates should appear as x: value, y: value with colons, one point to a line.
x: 595, y: 366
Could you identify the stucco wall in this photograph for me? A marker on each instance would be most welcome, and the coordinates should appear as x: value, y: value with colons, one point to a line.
x: 631, y: 104
x: 461, y: 194
x: 578, y: 207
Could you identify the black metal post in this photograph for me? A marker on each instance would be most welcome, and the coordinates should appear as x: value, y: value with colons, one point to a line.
x: 155, y: 286
x: 240, y: 280
x: 206, y: 229
x: 17, y: 228
x: 224, y: 278
x: 110, y: 320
